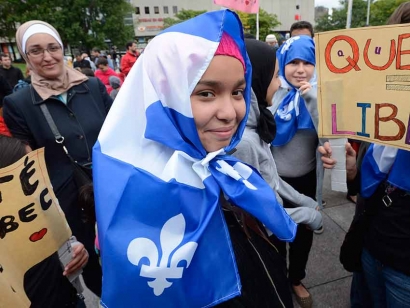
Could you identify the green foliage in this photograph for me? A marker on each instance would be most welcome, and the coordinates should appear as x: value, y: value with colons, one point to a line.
x: 80, y: 22
x: 181, y: 16
x: 380, y: 12
x: 338, y: 19
x: 267, y: 22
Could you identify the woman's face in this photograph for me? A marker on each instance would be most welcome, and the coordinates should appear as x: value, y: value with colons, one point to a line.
x: 218, y: 104
x: 48, y: 64
x: 274, y: 85
x: 299, y: 71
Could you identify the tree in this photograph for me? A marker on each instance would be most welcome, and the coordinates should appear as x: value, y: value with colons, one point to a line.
x: 338, y: 18
x: 381, y: 10
x: 181, y: 16
x: 80, y: 22
x: 267, y: 22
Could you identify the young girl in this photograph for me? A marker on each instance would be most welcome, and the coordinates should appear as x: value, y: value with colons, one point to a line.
x: 179, y: 219
x: 294, y: 147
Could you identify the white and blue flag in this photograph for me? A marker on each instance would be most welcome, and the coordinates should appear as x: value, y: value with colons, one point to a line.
x: 383, y: 163
x: 163, y: 238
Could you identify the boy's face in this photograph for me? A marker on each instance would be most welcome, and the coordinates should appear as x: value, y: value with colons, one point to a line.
x: 298, y: 71
x: 103, y: 67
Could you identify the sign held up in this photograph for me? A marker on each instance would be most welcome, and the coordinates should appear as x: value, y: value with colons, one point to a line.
x: 364, y: 84
x: 32, y: 224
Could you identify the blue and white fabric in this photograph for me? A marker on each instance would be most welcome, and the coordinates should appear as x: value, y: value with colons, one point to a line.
x: 292, y: 113
x: 383, y: 163
x: 163, y: 238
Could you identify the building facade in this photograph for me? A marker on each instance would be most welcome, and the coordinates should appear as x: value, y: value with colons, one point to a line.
x: 149, y: 15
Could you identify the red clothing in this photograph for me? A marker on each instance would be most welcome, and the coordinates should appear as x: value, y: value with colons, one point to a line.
x: 128, y: 61
x: 105, y: 76
x: 3, y: 128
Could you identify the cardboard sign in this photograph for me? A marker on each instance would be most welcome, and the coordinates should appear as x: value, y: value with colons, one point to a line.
x: 364, y: 84
x: 32, y: 224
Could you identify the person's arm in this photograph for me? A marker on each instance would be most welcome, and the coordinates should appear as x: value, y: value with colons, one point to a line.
x: 16, y: 122
x: 107, y: 100
x: 125, y: 65
x: 303, y: 215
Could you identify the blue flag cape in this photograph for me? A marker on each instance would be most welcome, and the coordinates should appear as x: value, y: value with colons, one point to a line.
x: 382, y: 163
x: 164, y: 241
x: 292, y: 113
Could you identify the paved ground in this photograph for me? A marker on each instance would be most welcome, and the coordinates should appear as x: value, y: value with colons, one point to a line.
x: 326, y: 279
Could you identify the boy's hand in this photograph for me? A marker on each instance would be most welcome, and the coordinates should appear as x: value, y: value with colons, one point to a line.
x: 305, y: 87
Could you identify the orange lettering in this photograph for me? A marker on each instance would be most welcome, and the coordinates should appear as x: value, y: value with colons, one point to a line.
x: 375, y: 67
x: 352, y: 62
x: 400, y: 52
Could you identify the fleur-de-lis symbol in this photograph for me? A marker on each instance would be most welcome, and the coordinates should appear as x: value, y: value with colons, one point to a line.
x: 288, y: 43
x: 238, y: 172
x: 172, y: 234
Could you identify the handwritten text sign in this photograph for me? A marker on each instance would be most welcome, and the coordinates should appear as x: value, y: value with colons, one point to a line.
x: 32, y: 224
x: 364, y: 84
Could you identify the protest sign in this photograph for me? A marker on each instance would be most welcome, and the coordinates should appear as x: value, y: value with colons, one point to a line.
x: 32, y: 224
x: 364, y: 84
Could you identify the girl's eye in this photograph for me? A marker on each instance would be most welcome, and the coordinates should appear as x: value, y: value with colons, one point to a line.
x: 206, y: 94
x: 238, y: 93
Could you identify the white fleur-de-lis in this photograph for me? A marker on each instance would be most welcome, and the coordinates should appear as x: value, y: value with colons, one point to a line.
x: 172, y: 234
x: 238, y: 172
x: 288, y: 43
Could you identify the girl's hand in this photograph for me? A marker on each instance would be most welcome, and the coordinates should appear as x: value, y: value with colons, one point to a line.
x: 80, y: 259
x: 305, y: 87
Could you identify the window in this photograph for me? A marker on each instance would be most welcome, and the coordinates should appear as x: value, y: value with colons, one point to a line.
x: 146, y: 10
x: 166, y: 10
x: 137, y: 10
x: 175, y: 9
x: 156, y: 9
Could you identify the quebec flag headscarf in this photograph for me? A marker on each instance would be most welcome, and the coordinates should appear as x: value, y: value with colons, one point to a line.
x: 164, y: 241
x: 292, y: 113
x: 384, y: 163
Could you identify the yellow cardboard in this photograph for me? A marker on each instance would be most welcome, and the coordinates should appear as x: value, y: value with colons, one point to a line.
x: 364, y: 84
x: 32, y: 224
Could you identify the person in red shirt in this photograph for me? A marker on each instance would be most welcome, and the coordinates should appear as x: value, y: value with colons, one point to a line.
x: 130, y: 57
x: 104, y: 72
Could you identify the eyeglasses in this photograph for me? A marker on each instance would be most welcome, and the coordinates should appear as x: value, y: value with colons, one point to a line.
x: 39, y: 52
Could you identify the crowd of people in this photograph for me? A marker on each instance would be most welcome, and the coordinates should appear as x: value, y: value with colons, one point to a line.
x: 208, y: 149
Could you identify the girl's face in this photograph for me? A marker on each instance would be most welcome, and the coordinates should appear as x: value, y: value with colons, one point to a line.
x: 299, y: 71
x: 45, y: 55
x: 274, y: 85
x: 218, y: 104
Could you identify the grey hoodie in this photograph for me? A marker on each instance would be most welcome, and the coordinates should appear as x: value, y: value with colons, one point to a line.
x: 311, y: 103
x: 255, y: 152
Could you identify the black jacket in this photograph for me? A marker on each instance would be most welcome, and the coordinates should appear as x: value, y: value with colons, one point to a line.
x: 12, y: 75
x: 79, y: 122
